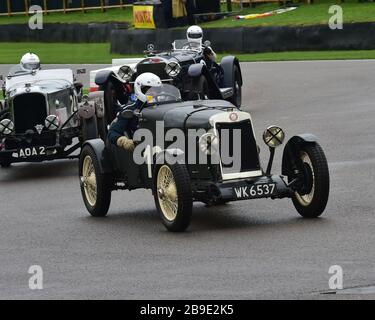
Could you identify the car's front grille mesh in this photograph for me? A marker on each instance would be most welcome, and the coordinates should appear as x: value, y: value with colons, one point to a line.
x: 29, y: 110
x: 247, y: 155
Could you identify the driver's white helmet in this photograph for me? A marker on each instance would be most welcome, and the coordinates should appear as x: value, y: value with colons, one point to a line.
x: 143, y: 83
x: 195, y: 35
x: 30, y: 61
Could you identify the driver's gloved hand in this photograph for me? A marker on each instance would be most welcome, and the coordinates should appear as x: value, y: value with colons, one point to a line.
x: 126, y: 143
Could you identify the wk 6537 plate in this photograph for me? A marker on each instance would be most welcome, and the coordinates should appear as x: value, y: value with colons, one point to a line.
x: 261, y: 190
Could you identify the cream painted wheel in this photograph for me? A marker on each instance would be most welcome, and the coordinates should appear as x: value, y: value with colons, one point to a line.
x: 305, y: 200
x: 96, y: 186
x: 311, y: 199
x: 167, y: 193
x: 88, y: 180
x: 173, y: 195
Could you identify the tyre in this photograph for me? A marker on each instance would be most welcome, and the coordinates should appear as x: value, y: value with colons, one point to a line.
x: 173, y: 196
x: 236, y: 99
x: 89, y: 129
x: 95, y: 186
x: 312, y: 198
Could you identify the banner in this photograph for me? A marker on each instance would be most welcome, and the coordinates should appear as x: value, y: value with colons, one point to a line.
x: 143, y: 17
x: 265, y: 14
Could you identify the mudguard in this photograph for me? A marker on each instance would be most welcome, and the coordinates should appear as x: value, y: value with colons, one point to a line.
x: 198, y: 69
x: 103, y: 76
x: 227, y: 64
x: 292, y: 147
x: 101, y: 152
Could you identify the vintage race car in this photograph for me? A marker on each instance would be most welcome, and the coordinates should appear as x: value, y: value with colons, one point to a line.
x: 183, y: 66
x: 42, y: 114
x: 189, y: 162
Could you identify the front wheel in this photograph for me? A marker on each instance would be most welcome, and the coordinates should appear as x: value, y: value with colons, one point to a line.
x: 95, y: 185
x: 173, y: 196
x: 312, y: 197
x: 236, y: 99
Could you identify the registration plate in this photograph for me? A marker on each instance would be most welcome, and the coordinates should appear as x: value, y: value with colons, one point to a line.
x: 32, y: 152
x: 261, y: 190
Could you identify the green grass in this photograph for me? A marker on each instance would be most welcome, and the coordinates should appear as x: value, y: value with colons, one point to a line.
x: 57, y: 52
x: 111, y: 15
x: 316, y: 13
x: 69, y: 53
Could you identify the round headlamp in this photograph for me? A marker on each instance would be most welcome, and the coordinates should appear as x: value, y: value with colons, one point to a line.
x: 273, y: 136
x: 173, y: 69
x: 6, y: 126
x: 209, y: 143
x: 52, y: 122
x: 125, y: 73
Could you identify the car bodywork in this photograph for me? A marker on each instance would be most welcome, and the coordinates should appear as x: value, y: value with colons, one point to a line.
x: 211, y: 182
x: 185, y: 69
x: 42, y: 114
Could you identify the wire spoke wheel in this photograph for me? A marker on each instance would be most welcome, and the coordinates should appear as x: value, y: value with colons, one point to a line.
x: 173, y: 195
x: 89, y: 180
x: 96, y: 186
x: 167, y: 193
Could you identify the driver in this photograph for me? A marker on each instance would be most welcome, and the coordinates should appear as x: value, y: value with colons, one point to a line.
x: 194, y: 36
x: 30, y: 62
x: 121, y: 130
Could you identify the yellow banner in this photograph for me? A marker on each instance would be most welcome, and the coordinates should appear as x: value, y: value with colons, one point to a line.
x: 143, y: 17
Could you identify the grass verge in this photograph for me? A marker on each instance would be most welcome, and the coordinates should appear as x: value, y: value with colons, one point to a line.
x: 316, y: 13
x: 98, y: 53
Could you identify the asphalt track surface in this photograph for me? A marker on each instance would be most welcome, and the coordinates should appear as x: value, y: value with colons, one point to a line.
x: 258, y: 249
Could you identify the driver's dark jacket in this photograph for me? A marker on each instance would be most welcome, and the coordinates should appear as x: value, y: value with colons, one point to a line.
x: 121, y: 126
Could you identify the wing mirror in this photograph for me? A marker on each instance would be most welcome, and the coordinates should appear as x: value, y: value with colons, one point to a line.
x: 207, y: 43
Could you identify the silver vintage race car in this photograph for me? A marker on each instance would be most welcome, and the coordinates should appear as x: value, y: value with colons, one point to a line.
x: 42, y: 114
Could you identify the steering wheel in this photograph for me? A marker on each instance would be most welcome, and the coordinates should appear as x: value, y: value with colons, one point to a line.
x: 188, y: 46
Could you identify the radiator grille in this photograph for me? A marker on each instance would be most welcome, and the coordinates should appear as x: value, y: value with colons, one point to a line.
x: 29, y: 110
x: 248, y: 159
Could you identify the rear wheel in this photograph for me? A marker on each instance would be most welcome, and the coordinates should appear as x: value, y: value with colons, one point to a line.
x: 95, y: 185
x: 173, y: 196
x: 312, y: 197
x: 236, y: 99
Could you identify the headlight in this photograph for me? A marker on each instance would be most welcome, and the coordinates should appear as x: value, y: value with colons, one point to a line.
x: 273, y: 136
x: 173, y: 69
x: 209, y: 143
x: 52, y: 122
x: 125, y: 73
x: 6, y: 126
